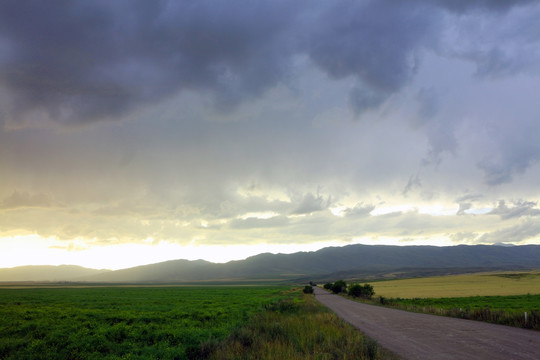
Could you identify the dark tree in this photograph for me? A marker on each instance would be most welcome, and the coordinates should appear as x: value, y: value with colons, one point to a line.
x: 365, y: 291
x: 328, y: 286
x: 368, y: 291
x: 339, y: 286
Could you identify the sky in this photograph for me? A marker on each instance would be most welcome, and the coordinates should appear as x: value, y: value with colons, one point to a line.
x: 133, y: 132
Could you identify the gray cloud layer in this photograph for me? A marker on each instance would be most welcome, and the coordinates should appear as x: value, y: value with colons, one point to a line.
x: 211, y: 112
x: 75, y: 62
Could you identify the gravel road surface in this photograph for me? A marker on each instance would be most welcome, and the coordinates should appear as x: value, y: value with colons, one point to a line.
x: 422, y: 336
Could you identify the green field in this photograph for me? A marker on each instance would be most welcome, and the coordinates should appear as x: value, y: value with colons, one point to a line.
x: 512, y: 303
x: 509, y: 298
x: 123, y: 322
x: 229, y: 322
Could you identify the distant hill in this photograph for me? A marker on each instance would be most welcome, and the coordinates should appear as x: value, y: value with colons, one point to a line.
x: 349, y: 261
x: 353, y: 261
x: 47, y: 273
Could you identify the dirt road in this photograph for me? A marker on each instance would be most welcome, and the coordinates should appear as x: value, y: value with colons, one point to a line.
x: 421, y: 336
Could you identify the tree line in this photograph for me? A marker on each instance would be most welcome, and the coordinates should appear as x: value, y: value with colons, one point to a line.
x: 355, y: 290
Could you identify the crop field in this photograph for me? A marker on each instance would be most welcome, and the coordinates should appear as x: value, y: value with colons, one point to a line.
x: 123, y: 322
x: 509, y: 298
x: 482, y: 284
x: 233, y: 322
x: 517, y: 303
x: 513, y: 310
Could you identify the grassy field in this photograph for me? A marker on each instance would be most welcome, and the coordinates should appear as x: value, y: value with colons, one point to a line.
x: 298, y: 329
x: 514, y: 310
x: 114, y: 323
x: 483, y: 284
x: 174, y: 323
x: 509, y: 298
x: 517, y: 303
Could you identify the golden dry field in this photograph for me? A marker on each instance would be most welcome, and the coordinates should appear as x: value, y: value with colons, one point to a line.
x: 480, y: 284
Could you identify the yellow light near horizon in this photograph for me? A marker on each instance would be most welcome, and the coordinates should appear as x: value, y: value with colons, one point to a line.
x: 36, y: 250
x: 29, y: 250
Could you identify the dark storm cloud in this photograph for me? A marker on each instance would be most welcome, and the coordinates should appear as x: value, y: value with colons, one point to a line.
x: 499, y: 37
x: 77, y: 61
x: 375, y: 42
x: 464, y: 5
x: 81, y: 61
x: 362, y: 98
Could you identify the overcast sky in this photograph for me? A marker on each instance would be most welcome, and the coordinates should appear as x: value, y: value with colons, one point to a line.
x: 218, y: 129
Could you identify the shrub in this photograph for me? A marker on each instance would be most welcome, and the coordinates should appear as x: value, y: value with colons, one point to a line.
x: 339, y: 286
x: 364, y: 291
x: 308, y: 289
x: 355, y: 290
x: 328, y: 286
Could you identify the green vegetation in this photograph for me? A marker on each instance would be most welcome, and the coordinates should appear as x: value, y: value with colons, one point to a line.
x: 518, y: 303
x: 123, y: 322
x: 339, y: 287
x: 505, y: 310
x: 175, y: 323
x: 298, y: 329
x: 501, y: 298
x: 363, y: 291
x: 355, y: 290
x: 308, y: 289
x: 328, y: 286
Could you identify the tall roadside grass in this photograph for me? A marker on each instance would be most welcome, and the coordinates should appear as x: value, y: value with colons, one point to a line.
x: 297, y: 327
x: 518, y: 311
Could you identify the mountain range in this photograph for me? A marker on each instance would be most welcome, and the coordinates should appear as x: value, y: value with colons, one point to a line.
x: 348, y: 262
x: 47, y: 273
